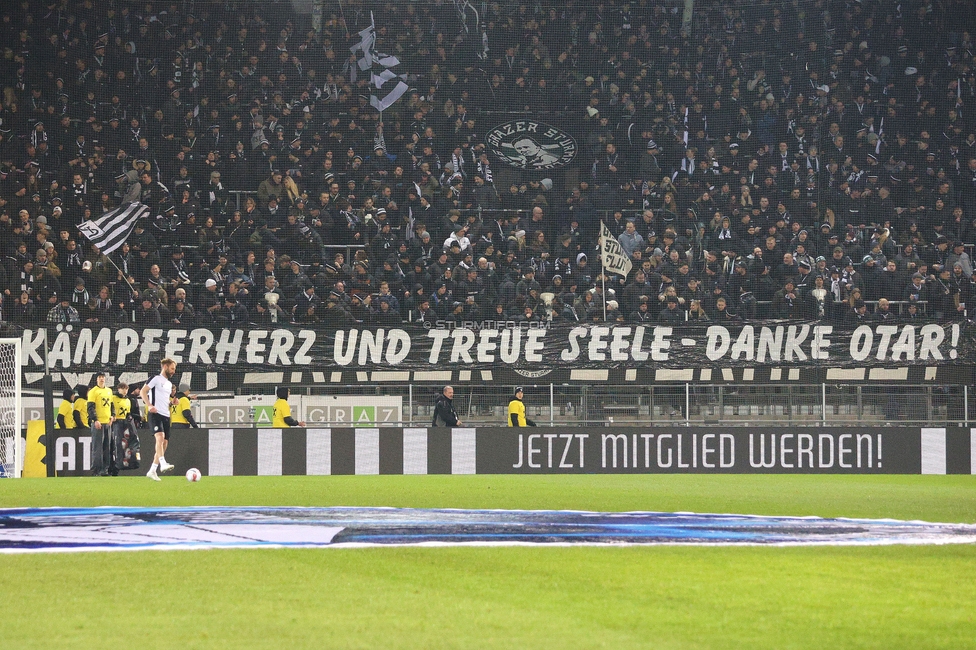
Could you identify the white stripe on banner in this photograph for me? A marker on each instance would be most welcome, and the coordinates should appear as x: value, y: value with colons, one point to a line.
x: 852, y: 374
x: 415, y: 451
x: 318, y: 452
x: 269, y: 452
x: 585, y: 374
x: 933, y: 451
x: 463, y: 451
x: 367, y: 451
x: 131, y: 377
x: 671, y: 374
x: 391, y: 375
x: 221, y: 461
x: 264, y: 377
x: 972, y: 451
x: 888, y: 374
x: 434, y: 375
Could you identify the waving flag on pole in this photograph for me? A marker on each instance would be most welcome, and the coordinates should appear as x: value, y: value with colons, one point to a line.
x: 110, y: 230
x: 364, y: 51
x: 614, y: 258
x: 367, y: 59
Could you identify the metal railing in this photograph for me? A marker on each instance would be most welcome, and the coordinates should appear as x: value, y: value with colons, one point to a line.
x: 238, y: 194
x: 685, y: 404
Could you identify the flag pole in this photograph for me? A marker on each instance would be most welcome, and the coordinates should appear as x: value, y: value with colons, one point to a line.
x: 132, y: 289
x: 343, y: 15
x: 372, y: 22
x: 116, y: 267
x: 604, y: 276
x: 603, y: 269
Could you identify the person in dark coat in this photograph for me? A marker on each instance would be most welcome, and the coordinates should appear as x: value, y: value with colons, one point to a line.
x: 445, y: 415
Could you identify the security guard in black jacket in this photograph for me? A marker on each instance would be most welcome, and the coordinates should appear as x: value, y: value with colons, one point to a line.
x: 445, y: 415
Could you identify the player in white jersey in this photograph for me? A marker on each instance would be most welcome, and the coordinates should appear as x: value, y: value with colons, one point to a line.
x: 156, y: 397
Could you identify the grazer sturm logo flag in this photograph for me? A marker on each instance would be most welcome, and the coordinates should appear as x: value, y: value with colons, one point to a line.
x: 614, y: 258
x: 531, y: 146
x: 110, y: 230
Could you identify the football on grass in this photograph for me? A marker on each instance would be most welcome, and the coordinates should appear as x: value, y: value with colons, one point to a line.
x: 193, y: 475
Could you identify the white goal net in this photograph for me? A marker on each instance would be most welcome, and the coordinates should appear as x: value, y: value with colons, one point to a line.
x: 11, y: 444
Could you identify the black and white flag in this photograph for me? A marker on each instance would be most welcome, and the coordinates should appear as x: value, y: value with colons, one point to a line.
x: 110, y: 230
x: 615, y: 260
x: 367, y: 58
x: 363, y: 51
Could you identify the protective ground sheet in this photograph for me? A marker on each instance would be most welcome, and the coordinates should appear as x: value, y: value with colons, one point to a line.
x: 25, y: 530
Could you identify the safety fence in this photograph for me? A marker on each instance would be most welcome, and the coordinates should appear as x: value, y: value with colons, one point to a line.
x: 690, y: 404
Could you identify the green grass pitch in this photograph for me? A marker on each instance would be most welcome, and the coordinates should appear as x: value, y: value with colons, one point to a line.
x: 513, y: 597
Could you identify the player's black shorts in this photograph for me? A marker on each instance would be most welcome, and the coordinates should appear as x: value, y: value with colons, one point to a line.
x: 159, y: 423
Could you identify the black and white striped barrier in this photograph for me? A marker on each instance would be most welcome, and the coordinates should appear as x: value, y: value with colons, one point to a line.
x: 580, y: 450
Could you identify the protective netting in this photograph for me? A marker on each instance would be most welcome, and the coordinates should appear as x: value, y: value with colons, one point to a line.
x: 377, y: 143
x: 11, y: 452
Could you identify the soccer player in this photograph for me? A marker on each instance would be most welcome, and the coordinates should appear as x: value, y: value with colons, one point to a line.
x: 180, y: 415
x: 101, y: 414
x: 66, y: 417
x: 156, y: 395
x: 282, y: 412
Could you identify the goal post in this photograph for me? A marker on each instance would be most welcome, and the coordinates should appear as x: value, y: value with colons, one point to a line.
x: 11, y: 409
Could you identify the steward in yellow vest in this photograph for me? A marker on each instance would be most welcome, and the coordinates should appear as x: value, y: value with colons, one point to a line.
x: 516, y: 411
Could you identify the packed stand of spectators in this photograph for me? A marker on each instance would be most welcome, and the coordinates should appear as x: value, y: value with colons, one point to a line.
x: 786, y: 159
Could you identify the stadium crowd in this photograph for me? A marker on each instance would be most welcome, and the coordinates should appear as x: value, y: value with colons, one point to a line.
x: 796, y: 159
